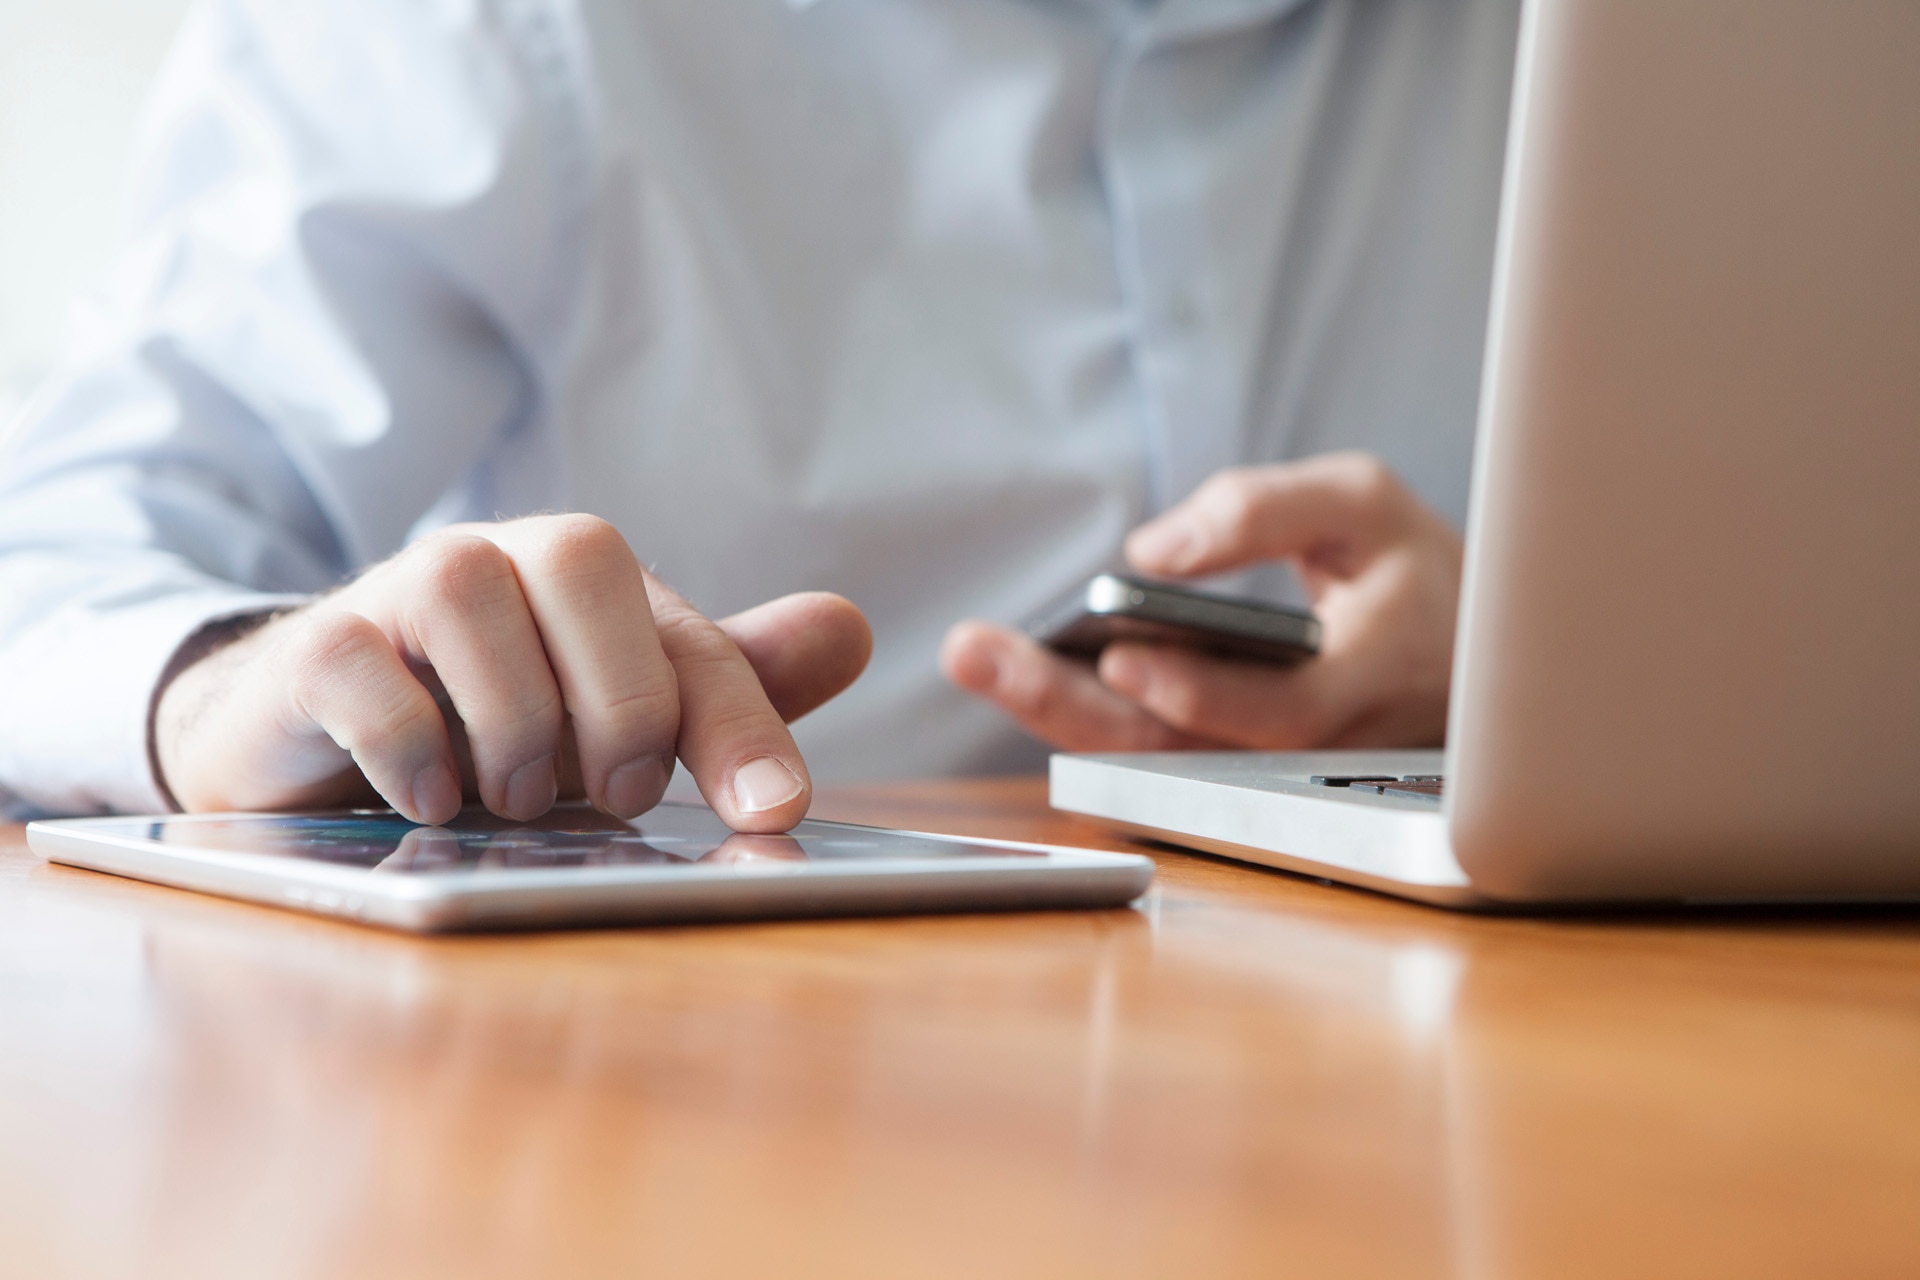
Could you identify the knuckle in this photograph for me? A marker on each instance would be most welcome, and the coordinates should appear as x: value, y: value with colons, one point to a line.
x: 463, y: 571
x: 322, y: 646
x: 646, y: 716
x: 1371, y: 481
x: 747, y: 726
x: 537, y: 713
x: 340, y: 660
x: 695, y: 644
x: 702, y: 653
x: 579, y: 543
x: 411, y: 719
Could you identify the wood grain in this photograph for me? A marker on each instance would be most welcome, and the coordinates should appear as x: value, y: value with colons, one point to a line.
x: 1250, y: 1074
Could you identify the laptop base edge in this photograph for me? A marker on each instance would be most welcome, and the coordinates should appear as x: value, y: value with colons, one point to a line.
x: 1451, y: 897
x: 1396, y: 849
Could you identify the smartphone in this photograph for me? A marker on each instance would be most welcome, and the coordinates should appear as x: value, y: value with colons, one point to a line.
x: 1111, y: 607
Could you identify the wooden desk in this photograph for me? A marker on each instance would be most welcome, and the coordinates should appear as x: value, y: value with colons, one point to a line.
x: 1250, y: 1074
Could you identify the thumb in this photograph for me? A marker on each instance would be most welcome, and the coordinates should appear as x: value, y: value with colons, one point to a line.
x: 1334, y: 512
x: 805, y: 648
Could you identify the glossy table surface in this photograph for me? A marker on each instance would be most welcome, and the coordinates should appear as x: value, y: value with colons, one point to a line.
x: 1246, y: 1074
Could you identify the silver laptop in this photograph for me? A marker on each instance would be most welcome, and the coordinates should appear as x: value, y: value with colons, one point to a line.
x: 1688, y: 659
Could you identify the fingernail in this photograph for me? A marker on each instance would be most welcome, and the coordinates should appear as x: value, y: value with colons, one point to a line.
x: 436, y: 794
x: 1164, y: 544
x: 636, y: 786
x: 759, y: 785
x: 532, y: 789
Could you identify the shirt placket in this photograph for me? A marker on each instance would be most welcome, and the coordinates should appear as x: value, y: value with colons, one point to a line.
x: 1167, y: 261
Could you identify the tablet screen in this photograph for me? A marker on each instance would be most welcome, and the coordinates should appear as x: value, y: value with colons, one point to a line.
x: 571, y: 835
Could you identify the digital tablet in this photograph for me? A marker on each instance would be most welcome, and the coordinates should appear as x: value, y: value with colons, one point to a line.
x: 579, y: 866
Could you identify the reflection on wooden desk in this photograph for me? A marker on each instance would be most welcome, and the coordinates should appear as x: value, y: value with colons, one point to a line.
x: 1250, y: 1074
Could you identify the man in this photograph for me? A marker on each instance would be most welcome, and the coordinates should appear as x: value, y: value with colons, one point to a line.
x: 923, y: 302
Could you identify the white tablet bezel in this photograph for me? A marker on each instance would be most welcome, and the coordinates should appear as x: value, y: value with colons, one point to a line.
x: 638, y: 893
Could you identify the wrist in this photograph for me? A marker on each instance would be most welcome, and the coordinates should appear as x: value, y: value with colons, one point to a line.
x: 183, y: 690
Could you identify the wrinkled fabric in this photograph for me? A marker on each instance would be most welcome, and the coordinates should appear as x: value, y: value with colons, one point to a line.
x: 922, y: 301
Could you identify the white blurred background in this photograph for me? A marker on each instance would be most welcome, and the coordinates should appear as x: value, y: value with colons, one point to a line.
x: 73, y: 76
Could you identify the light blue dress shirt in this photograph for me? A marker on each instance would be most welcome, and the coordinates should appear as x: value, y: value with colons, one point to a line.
x: 922, y: 301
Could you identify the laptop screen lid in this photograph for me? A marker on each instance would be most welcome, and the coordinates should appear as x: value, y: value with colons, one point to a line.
x: 1689, y: 648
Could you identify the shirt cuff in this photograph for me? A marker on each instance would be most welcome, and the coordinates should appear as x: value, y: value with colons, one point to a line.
x: 78, y: 722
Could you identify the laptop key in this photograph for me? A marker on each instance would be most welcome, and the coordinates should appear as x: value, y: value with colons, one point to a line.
x: 1348, y: 779
x: 1413, y: 790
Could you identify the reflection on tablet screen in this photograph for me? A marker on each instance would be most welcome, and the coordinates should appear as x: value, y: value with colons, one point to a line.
x: 572, y: 835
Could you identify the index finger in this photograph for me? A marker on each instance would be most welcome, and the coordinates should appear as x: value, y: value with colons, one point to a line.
x: 734, y: 743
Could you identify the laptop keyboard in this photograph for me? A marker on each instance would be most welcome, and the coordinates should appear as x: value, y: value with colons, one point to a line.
x: 1411, y: 786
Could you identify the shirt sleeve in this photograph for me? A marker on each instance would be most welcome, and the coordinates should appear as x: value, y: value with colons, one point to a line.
x: 348, y: 276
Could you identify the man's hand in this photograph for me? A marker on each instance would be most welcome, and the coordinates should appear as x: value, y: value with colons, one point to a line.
x: 1384, y: 572
x: 535, y: 657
